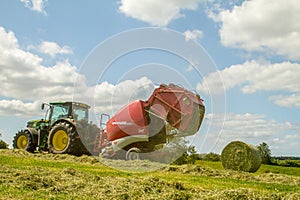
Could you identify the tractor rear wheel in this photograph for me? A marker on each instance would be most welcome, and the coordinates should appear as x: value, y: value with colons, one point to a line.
x: 63, y: 138
x: 23, y: 140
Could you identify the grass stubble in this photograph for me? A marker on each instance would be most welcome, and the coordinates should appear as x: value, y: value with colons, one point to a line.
x: 48, y: 176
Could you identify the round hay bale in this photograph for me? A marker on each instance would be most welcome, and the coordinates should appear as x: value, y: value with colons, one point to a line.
x: 240, y: 156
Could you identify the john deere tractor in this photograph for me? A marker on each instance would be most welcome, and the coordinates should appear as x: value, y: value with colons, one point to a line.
x: 64, y: 130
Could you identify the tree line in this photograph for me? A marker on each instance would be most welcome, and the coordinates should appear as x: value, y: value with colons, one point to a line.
x: 3, y: 145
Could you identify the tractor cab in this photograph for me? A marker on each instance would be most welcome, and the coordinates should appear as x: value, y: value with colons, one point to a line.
x: 73, y: 111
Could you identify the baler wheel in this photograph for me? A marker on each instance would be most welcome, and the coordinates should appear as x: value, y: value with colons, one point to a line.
x: 133, y: 154
x: 23, y: 140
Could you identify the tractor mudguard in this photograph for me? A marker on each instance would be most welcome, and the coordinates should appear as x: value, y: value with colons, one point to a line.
x: 77, y: 126
x: 70, y: 121
x: 34, y: 134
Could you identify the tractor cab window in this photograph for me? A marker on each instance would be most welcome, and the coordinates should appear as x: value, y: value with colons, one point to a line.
x: 80, y: 114
x: 47, y: 115
x: 59, y: 112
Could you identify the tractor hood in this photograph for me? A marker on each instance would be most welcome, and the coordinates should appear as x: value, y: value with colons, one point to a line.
x: 37, y: 123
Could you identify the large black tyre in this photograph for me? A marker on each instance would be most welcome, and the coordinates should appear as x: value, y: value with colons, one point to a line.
x: 63, y: 139
x: 23, y: 140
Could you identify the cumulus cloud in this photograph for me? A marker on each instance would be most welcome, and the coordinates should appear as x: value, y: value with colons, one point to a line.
x: 109, y: 98
x: 263, y: 25
x: 25, y: 83
x: 23, y: 76
x: 193, y: 35
x: 19, y: 108
x: 35, y: 5
x: 104, y: 98
x: 156, y: 12
x: 248, y: 127
x: 253, y: 76
x: 292, y: 100
x: 52, y: 49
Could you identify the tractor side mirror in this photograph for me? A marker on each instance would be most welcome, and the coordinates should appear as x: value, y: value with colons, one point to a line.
x: 42, y: 106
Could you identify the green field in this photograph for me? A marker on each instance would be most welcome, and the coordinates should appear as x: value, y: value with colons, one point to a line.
x: 47, y: 176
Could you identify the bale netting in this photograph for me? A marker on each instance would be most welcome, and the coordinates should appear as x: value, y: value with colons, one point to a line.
x: 240, y: 156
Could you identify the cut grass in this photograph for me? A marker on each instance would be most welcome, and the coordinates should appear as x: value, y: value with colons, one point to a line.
x: 293, y: 171
x: 48, y: 176
x: 214, y: 178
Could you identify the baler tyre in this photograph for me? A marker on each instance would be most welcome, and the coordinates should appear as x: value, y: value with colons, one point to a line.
x: 63, y: 138
x: 133, y: 154
x: 23, y: 140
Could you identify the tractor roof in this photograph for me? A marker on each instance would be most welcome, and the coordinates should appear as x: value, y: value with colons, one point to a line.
x: 71, y: 103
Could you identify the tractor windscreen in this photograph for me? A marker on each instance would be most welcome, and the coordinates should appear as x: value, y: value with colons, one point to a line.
x: 59, y: 112
x: 80, y: 113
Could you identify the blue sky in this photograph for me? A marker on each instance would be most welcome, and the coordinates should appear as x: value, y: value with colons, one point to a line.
x: 251, y: 48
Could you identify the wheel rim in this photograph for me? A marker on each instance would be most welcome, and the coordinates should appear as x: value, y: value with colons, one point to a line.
x: 60, y: 140
x: 133, y: 155
x: 22, y: 142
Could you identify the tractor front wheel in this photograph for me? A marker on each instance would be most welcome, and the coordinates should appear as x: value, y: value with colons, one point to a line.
x: 23, y: 140
x: 63, y: 138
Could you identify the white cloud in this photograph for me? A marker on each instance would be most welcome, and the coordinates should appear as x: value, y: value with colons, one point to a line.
x: 249, y: 125
x: 253, y: 129
x: 253, y: 76
x: 213, y: 11
x: 109, y: 98
x: 232, y: 76
x: 104, y: 98
x: 156, y: 12
x: 193, y: 35
x: 52, y: 49
x: 292, y: 100
x: 25, y: 82
x: 263, y: 25
x: 293, y: 136
x: 24, y: 77
x: 35, y: 5
x: 19, y: 108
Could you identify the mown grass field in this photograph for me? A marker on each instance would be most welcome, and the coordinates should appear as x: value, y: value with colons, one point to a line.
x: 47, y: 176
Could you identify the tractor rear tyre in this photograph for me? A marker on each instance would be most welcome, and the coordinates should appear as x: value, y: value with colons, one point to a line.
x: 23, y: 140
x: 63, y: 138
x: 133, y: 154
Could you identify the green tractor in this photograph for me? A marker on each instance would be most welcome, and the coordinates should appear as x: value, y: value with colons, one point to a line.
x: 65, y: 129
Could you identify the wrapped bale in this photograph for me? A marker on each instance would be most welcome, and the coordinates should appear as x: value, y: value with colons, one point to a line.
x: 240, y: 156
